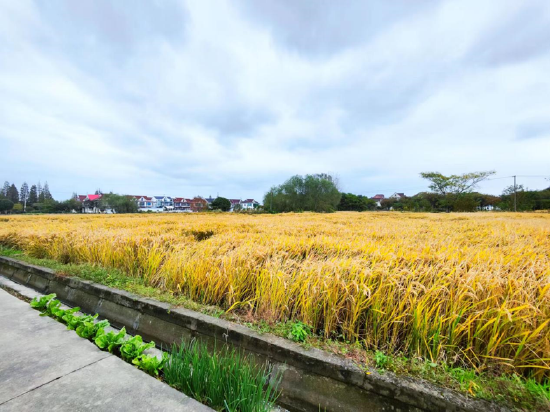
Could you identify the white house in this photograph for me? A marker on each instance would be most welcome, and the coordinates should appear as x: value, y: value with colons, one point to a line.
x: 398, y: 196
x: 249, y: 204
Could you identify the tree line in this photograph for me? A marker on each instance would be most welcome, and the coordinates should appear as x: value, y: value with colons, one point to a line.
x: 453, y: 193
x: 25, y: 199
x: 38, y: 199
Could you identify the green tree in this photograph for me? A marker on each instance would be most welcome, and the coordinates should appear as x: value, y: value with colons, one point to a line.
x: 5, y: 189
x: 455, y: 184
x: 119, y: 203
x: 46, y: 192
x: 13, y: 194
x: 456, y: 189
x: 357, y: 203
x: 33, y: 195
x: 525, y: 199
x: 316, y: 193
x: 221, y: 203
x: 6, y: 205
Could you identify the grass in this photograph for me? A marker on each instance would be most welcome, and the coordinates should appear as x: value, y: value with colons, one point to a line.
x: 223, y: 379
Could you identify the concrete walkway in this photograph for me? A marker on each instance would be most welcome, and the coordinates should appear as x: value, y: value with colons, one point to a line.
x: 44, y: 366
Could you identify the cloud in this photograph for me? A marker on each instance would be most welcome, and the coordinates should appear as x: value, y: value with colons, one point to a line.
x: 233, y: 97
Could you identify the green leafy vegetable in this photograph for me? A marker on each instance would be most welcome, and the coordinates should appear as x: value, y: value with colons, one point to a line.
x: 59, y: 313
x: 134, y: 347
x: 52, y: 306
x: 150, y: 363
x: 41, y: 303
x: 74, y: 321
x: 111, y: 340
x: 88, y: 330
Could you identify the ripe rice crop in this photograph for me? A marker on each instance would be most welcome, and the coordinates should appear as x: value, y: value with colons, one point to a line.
x: 468, y: 289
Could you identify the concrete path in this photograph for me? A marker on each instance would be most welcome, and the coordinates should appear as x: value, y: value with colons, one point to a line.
x: 45, y: 367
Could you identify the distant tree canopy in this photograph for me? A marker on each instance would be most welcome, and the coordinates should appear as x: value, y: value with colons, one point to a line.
x: 13, y: 194
x: 5, y: 205
x: 525, y: 199
x: 119, y: 203
x: 455, y: 192
x: 315, y: 193
x: 455, y: 184
x: 221, y: 203
x: 357, y: 203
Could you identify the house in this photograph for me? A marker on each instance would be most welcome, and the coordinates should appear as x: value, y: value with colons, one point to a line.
x: 90, y: 203
x: 235, y: 204
x: 144, y: 202
x: 198, y: 204
x: 183, y: 204
x: 163, y: 202
x: 249, y: 204
x: 209, y: 199
x: 398, y: 196
x: 378, y: 199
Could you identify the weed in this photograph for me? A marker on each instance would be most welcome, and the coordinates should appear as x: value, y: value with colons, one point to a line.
x: 223, y: 379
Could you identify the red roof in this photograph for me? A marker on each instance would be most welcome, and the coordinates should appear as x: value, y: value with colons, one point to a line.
x: 378, y: 197
x: 249, y: 201
x: 94, y: 197
x: 235, y: 201
x: 81, y: 198
x: 180, y: 199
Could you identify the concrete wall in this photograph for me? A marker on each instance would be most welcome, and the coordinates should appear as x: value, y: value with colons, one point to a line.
x: 312, y: 380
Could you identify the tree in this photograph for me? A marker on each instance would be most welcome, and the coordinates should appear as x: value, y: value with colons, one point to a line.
x: 5, y: 189
x: 46, y: 192
x: 316, y: 193
x: 221, y: 203
x: 24, y: 195
x: 33, y: 195
x: 119, y: 203
x: 525, y: 199
x: 455, y: 184
x: 13, y: 194
x: 357, y: 203
x: 40, y: 192
x: 6, y: 205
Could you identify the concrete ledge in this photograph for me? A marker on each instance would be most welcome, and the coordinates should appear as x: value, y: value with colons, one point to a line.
x: 312, y: 379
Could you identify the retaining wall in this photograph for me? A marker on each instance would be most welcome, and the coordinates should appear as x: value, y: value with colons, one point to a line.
x: 312, y: 380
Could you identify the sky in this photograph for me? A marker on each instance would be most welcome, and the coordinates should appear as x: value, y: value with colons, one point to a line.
x: 211, y: 97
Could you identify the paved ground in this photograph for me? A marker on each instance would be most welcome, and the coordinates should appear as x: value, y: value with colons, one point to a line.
x: 44, y: 366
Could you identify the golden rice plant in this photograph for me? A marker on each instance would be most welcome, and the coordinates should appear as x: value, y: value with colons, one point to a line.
x: 462, y: 288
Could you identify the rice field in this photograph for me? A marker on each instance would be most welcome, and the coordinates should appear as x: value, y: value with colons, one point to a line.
x: 466, y: 289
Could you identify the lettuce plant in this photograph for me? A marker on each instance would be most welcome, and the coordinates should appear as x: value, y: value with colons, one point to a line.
x: 41, y: 303
x: 88, y: 330
x: 52, y: 307
x: 111, y: 340
x: 74, y: 321
x: 134, y: 347
x: 150, y: 363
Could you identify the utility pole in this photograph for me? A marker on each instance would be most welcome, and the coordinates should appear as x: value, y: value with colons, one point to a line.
x: 515, y: 196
